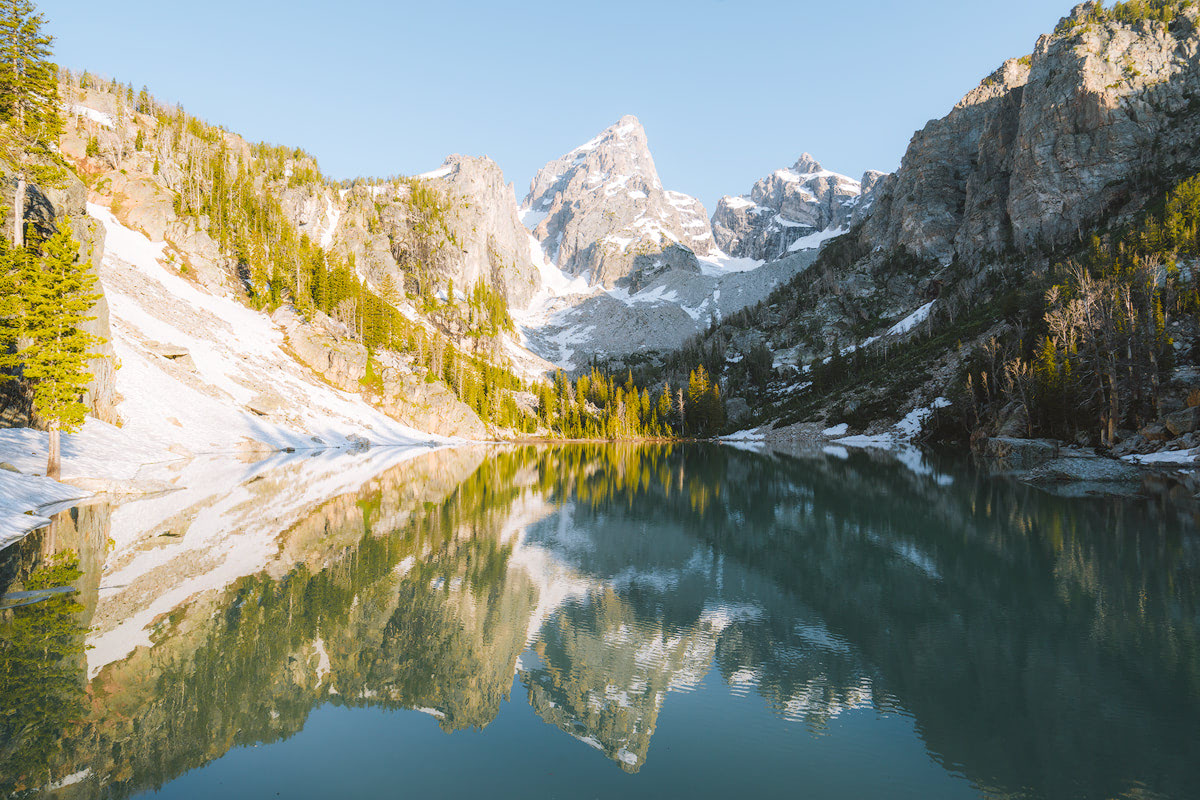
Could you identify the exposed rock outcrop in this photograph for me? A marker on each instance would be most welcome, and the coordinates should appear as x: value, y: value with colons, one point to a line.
x: 601, y: 206
x: 398, y: 390
x: 1048, y: 145
x: 494, y: 244
x: 484, y: 238
x: 428, y: 406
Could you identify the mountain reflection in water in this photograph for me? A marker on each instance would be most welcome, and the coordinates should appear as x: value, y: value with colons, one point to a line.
x: 1040, y: 646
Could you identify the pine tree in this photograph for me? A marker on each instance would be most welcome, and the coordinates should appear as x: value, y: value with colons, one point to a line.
x: 58, y: 292
x: 12, y: 307
x: 28, y: 103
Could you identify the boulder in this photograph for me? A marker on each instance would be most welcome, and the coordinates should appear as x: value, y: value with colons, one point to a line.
x: 1155, y: 432
x: 267, y: 404
x: 1183, y: 421
x: 1085, y: 470
x: 342, y: 363
x: 358, y: 444
x: 1010, y: 453
x: 171, y: 352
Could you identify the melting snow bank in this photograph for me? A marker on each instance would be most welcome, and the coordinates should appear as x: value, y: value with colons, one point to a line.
x: 902, y: 432
x: 912, y: 320
x: 1165, y: 458
x: 751, y: 439
x: 22, y: 497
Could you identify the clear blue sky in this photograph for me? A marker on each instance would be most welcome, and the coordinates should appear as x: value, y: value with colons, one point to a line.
x: 728, y: 90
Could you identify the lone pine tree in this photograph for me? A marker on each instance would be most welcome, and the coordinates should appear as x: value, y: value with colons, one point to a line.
x: 58, y: 291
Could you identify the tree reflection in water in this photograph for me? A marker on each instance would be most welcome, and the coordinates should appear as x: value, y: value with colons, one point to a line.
x: 1044, y: 646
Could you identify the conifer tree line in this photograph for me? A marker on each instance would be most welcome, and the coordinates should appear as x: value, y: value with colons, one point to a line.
x: 598, y: 406
x: 46, y: 291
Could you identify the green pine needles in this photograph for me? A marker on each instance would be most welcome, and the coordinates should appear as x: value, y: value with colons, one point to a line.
x: 30, y: 123
x: 44, y: 298
x: 59, y: 291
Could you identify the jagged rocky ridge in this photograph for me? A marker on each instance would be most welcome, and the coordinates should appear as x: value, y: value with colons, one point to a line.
x: 787, y: 207
x: 1049, y: 144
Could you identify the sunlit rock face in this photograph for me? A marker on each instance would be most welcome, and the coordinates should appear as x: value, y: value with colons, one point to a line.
x: 601, y: 206
x: 1048, y: 144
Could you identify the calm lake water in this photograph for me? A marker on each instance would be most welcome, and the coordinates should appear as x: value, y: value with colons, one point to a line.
x: 609, y: 621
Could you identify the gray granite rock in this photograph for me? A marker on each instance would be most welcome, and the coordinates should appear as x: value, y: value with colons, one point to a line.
x: 1048, y: 144
x: 601, y: 206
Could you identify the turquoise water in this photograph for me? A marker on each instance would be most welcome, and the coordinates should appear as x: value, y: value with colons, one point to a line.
x: 610, y: 621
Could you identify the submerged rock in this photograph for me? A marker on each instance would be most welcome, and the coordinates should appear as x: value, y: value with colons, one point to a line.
x: 1009, y: 453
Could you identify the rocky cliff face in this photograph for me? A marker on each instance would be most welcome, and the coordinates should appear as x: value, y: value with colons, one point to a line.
x: 484, y: 238
x: 1048, y: 145
x: 601, y: 206
x: 400, y: 391
x: 494, y: 243
x: 785, y: 207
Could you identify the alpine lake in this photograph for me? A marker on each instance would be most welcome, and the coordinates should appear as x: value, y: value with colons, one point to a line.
x: 603, y: 621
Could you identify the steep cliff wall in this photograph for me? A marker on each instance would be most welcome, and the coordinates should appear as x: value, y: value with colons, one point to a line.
x: 1089, y: 125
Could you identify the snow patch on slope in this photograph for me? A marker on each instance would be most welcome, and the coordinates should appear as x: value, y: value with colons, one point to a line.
x: 100, y: 117
x: 238, y: 354
x: 912, y: 320
x: 815, y: 240
x: 335, y: 216
x: 717, y: 263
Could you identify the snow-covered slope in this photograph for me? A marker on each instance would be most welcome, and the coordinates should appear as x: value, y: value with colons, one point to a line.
x: 235, y: 357
x: 192, y: 365
x: 579, y: 323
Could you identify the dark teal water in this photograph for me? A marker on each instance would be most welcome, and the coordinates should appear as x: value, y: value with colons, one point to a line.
x: 621, y: 622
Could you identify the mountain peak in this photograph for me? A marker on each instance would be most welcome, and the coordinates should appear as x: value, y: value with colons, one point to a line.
x: 784, y: 212
x: 626, y: 133
x: 806, y: 164
x: 601, y: 205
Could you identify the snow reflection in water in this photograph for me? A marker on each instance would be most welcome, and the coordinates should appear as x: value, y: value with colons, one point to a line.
x: 618, y: 593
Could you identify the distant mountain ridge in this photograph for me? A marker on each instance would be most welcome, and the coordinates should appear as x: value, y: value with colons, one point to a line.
x: 789, y: 206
